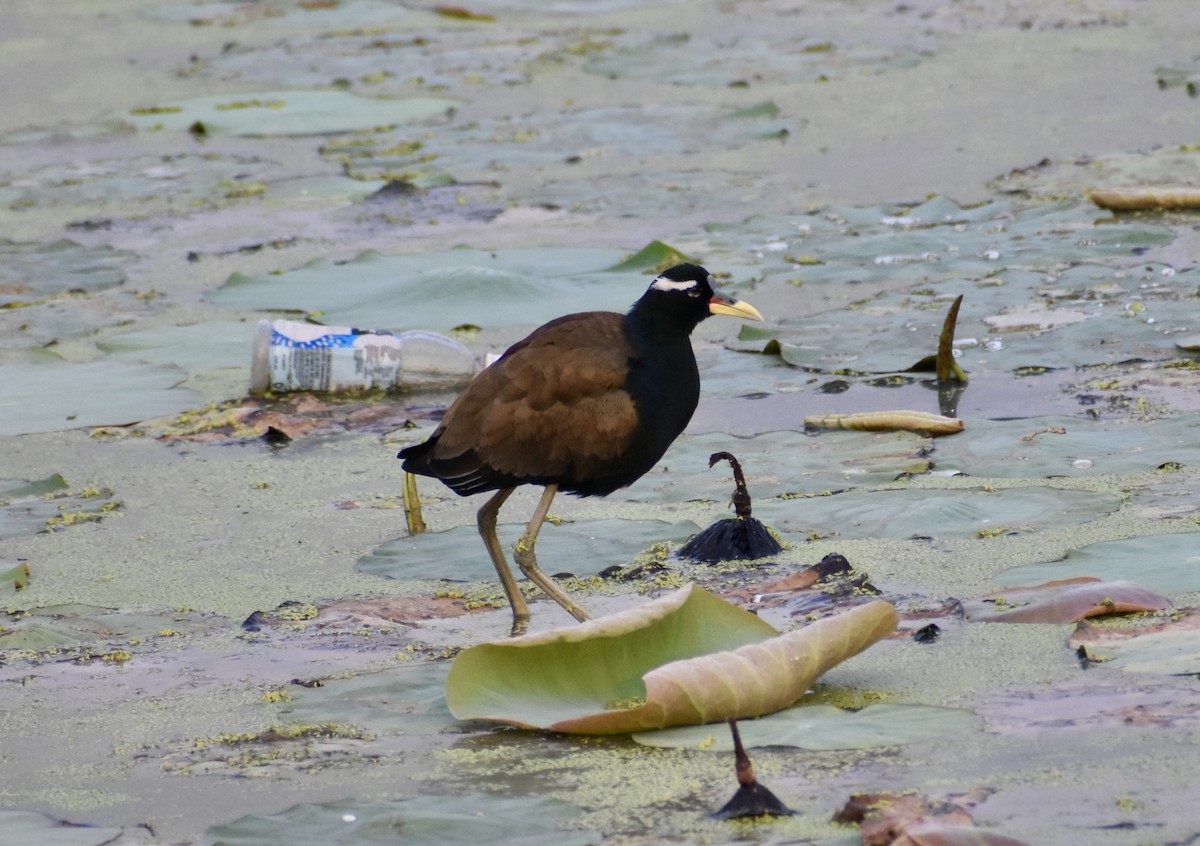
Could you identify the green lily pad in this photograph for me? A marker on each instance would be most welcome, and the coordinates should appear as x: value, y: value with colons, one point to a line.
x: 822, y: 727
x: 164, y: 184
x: 936, y: 241
x: 1039, y: 447
x: 424, y: 821
x: 1185, y: 75
x: 685, y: 659
x: 90, y: 627
x: 941, y: 514
x: 27, y: 508
x: 584, y: 548
x: 287, y: 112
x: 1168, y: 564
x: 380, y: 63
x: 202, y: 346
x: 47, y: 394
x: 683, y: 60
x: 1175, y: 653
x: 479, y: 149
x: 14, y: 576
x: 780, y: 463
x: 399, y: 700
x: 1085, y: 315
x: 32, y: 272
x: 1076, y: 177
x: 33, y: 829
x: 439, y: 291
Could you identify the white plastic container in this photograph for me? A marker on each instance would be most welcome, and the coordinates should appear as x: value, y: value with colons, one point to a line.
x: 291, y: 356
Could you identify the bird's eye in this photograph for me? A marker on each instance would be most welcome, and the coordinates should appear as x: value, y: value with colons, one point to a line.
x: 693, y: 292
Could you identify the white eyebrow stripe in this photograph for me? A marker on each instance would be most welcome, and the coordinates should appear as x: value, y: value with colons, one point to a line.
x: 662, y: 283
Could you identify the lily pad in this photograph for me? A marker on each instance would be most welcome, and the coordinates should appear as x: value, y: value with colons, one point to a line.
x: 1085, y: 315
x: 399, y: 700
x: 162, y: 184
x: 688, y: 658
x: 92, y: 627
x: 1167, y: 564
x: 48, y: 394
x: 683, y: 60
x: 382, y: 63
x: 1039, y: 447
x: 439, y: 291
x: 27, y: 508
x: 584, y: 548
x: 821, y: 727
x: 935, y: 241
x: 32, y: 272
x: 781, y: 463
x: 1074, y: 178
x: 424, y: 821
x: 33, y: 829
x: 481, y: 148
x: 1175, y: 653
x: 216, y: 344
x: 965, y: 514
x: 1063, y: 601
x: 287, y: 112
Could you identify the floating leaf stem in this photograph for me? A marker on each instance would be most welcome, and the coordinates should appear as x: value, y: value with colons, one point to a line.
x: 412, y: 505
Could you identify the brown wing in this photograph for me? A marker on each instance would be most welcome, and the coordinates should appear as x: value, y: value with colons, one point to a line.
x: 554, y: 406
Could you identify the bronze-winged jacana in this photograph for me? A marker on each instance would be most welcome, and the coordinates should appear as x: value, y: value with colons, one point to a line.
x: 586, y: 404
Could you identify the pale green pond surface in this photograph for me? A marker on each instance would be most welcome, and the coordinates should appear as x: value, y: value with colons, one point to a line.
x: 174, y: 172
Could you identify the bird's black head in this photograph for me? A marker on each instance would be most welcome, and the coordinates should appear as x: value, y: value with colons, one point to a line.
x: 684, y: 295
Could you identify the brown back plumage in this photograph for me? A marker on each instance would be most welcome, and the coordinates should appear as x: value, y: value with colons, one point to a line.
x: 552, y: 409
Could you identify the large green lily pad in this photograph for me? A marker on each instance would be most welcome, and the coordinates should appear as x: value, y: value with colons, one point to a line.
x: 423, y: 821
x: 287, y: 112
x: 963, y: 514
x: 89, y: 628
x: 1168, y: 564
x: 47, y: 394
x: 32, y: 272
x: 683, y: 60
x: 136, y: 185
x: 1039, y: 447
x: 819, y: 727
x: 483, y: 147
x: 780, y: 463
x: 439, y: 291
x: 583, y: 548
x: 399, y: 700
x: 687, y: 658
x: 935, y: 241
x: 381, y: 63
x: 29, y: 507
x: 212, y: 345
x: 33, y: 829
x: 1175, y: 653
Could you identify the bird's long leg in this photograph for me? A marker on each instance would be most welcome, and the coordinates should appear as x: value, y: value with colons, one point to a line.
x: 487, y: 530
x: 527, y: 561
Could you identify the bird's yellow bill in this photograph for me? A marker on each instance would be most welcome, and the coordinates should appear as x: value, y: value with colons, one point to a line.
x: 733, y: 308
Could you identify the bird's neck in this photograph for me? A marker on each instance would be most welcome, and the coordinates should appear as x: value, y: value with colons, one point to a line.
x: 658, y: 326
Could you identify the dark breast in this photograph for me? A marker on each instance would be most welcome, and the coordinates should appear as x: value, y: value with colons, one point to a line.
x: 578, y: 403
